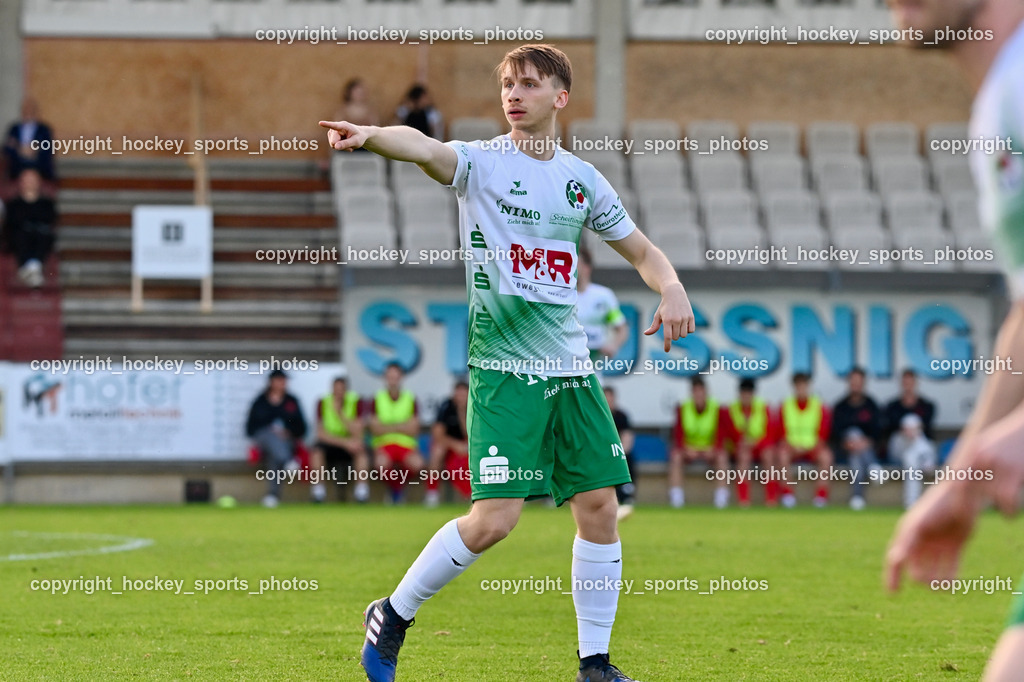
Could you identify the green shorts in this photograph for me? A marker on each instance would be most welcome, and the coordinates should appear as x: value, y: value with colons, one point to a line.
x: 531, y: 436
x: 1017, y: 611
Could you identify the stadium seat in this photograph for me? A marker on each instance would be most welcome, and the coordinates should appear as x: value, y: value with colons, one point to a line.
x: 976, y: 241
x: 592, y: 129
x: 739, y: 238
x: 898, y: 174
x: 928, y: 241
x: 838, y: 173
x: 864, y: 239
x: 940, y: 132
x: 891, y: 139
x: 432, y: 210
x: 793, y: 239
x: 704, y: 131
x: 606, y: 257
x: 850, y: 211
x: 408, y: 176
x: 952, y: 174
x: 471, y: 128
x: 612, y: 165
x: 663, y: 208
x: 775, y: 172
x: 357, y: 169
x: 791, y: 209
x: 684, y: 247
x: 370, y: 235
x: 913, y: 211
x: 658, y: 172
x: 716, y: 172
x: 629, y: 202
x: 783, y: 137
x: 643, y: 130
x: 832, y: 138
x: 727, y: 210
x: 370, y: 204
x: 962, y: 211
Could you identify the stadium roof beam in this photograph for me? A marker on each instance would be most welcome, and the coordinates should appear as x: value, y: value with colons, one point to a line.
x: 610, y: 32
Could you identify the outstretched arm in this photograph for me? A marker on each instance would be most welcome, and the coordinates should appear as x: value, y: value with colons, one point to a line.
x: 674, y: 313
x: 400, y: 143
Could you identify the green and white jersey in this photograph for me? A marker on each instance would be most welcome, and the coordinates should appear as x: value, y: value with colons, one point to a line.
x: 520, y: 222
x: 998, y: 113
x: 598, y: 310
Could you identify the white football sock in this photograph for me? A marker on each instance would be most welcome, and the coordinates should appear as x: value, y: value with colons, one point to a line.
x: 443, y: 560
x: 599, y: 568
x: 676, y: 497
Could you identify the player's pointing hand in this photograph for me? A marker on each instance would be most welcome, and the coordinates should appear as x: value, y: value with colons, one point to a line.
x: 344, y: 136
x: 674, y: 314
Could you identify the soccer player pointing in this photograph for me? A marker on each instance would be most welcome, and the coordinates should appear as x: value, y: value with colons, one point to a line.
x: 931, y: 536
x: 522, y: 309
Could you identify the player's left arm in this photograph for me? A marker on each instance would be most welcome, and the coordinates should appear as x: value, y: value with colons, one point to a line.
x: 674, y: 312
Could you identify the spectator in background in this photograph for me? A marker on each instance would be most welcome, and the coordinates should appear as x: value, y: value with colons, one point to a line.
x: 356, y: 107
x: 626, y: 493
x: 856, y: 409
x: 394, y: 428
x: 860, y: 453
x: 750, y: 435
x: 29, y: 228
x: 599, y: 313
x: 697, y: 436
x: 805, y: 425
x: 339, y: 440
x: 909, y: 402
x: 275, y: 426
x: 915, y: 453
x: 22, y: 136
x: 449, y: 446
x: 418, y: 111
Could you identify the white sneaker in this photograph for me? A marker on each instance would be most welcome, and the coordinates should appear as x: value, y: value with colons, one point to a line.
x: 624, y: 512
x: 362, y: 492
x: 431, y: 499
x: 292, y: 465
x: 318, y: 492
x: 857, y: 503
x: 676, y: 498
x: 820, y: 502
x: 721, y: 498
x: 789, y: 500
x: 270, y: 502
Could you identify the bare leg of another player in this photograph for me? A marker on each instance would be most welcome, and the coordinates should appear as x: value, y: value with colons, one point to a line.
x: 720, y: 461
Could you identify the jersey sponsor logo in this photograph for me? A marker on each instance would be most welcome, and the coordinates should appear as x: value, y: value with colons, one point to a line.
x: 613, y: 216
x: 618, y: 450
x: 576, y: 195
x: 493, y: 469
x: 517, y: 212
x: 540, y: 270
x: 516, y: 190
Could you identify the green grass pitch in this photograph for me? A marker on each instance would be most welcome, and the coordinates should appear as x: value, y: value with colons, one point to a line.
x: 823, y: 616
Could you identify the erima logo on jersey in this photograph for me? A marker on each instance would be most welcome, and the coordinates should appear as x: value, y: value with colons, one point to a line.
x: 576, y: 195
x: 516, y: 191
x: 493, y: 469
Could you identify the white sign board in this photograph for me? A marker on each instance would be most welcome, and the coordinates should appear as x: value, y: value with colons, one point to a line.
x: 172, y: 242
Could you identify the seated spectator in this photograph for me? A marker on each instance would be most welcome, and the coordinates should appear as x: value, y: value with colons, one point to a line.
x: 805, y: 424
x: 356, y: 107
x: 697, y: 436
x: 908, y: 402
x: 860, y: 453
x: 449, y: 446
x: 275, y: 426
x: 29, y: 228
x: 915, y: 453
x: 339, y: 441
x: 394, y: 428
x: 626, y: 493
x: 28, y: 143
x: 418, y: 111
x: 750, y: 436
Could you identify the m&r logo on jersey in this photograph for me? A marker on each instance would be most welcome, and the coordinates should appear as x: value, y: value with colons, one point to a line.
x: 576, y: 195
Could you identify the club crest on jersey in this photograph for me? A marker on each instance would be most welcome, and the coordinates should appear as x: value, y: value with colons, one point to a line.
x: 576, y: 195
x: 1011, y: 171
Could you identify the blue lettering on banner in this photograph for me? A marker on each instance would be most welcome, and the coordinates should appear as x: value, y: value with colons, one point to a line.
x: 735, y: 327
x: 917, y: 336
x: 455, y: 318
x: 374, y: 325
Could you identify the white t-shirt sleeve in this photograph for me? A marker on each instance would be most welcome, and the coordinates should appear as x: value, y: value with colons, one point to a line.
x: 608, y: 218
x: 474, y: 165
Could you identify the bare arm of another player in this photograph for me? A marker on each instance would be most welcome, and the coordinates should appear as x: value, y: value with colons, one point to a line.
x: 628, y: 439
x: 930, y: 537
x: 401, y: 143
x: 619, y: 336
x: 674, y: 312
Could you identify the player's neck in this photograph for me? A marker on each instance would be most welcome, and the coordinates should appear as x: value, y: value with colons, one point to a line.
x: 537, y: 144
x: 977, y: 56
